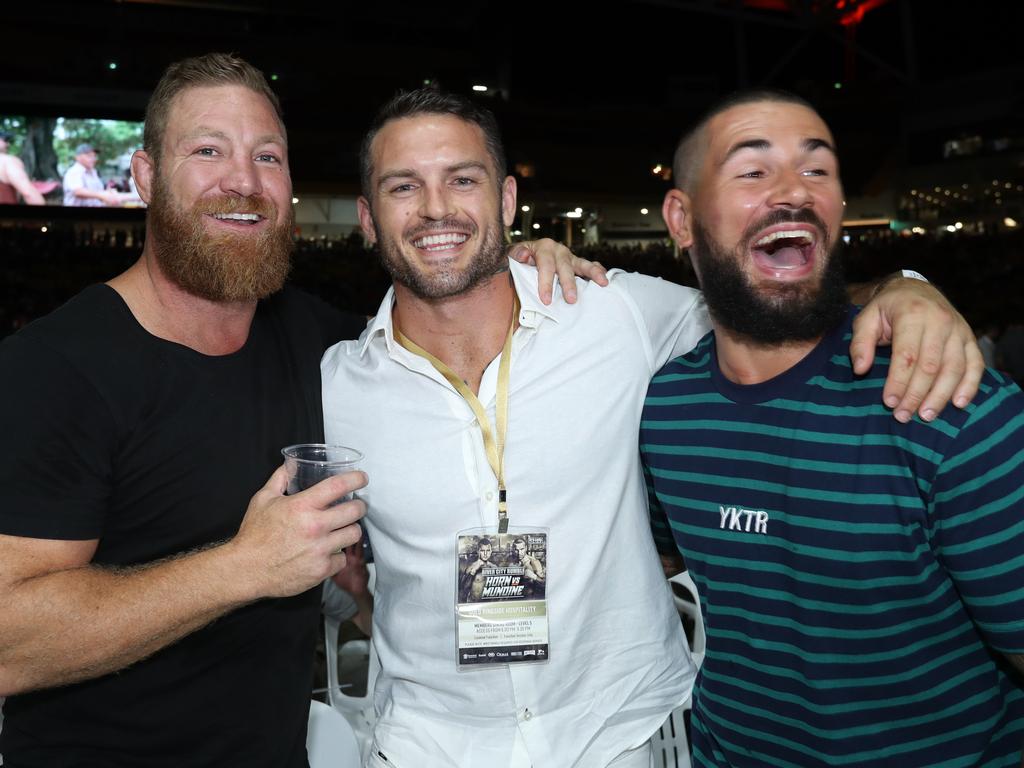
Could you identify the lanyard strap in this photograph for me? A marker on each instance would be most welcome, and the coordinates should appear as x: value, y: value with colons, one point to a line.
x: 494, y: 440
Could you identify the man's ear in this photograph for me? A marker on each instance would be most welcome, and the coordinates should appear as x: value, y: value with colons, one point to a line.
x: 366, y: 220
x: 508, y: 200
x: 143, y: 171
x: 677, y: 211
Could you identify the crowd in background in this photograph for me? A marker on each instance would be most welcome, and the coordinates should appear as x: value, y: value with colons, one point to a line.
x: 983, y: 275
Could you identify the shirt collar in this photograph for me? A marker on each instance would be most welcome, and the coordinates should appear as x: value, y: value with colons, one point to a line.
x: 531, y: 312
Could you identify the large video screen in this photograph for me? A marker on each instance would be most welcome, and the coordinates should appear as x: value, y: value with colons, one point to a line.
x: 68, y: 161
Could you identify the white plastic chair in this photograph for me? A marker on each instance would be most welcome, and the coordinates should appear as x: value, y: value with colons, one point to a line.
x: 684, y: 594
x: 357, y: 710
x: 330, y: 740
x: 670, y: 747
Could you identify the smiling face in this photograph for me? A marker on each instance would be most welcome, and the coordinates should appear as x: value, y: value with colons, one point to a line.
x: 762, y: 220
x: 435, y: 210
x: 220, y: 212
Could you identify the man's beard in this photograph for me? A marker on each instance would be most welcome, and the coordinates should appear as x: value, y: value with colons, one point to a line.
x: 772, y: 314
x: 447, y: 280
x: 226, y: 266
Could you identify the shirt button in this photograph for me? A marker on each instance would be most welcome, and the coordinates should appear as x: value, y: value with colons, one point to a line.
x: 490, y: 495
x: 527, y: 714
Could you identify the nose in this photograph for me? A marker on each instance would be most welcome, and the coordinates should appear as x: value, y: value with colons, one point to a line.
x: 242, y: 177
x: 435, y: 202
x: 791, y: 190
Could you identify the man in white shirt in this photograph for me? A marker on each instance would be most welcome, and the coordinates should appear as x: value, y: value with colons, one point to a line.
x: 461, y: 322
x: 83, y: 186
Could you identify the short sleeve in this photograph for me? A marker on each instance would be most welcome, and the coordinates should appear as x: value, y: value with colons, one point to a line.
x: 56, y: 444
x: 672, y: 318
x: 977, y: 505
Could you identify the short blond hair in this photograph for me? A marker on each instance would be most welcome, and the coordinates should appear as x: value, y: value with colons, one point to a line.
x: 210, y: 69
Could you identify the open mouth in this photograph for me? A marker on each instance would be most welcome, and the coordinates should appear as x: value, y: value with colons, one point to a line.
x: 781, y: 250
x: 238, y: 218
x: 440, y: 242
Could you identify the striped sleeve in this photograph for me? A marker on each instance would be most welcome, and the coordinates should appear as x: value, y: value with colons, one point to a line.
x: 977, y: 503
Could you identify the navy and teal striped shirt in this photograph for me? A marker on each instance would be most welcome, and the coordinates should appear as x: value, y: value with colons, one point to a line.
x: 861, y: 579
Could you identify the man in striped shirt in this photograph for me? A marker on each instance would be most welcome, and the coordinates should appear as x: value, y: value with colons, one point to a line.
x: 861, y: 578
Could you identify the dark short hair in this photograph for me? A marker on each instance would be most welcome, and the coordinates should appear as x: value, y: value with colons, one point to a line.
x: 689, y: 152
x: 429, y: 101
x: 485, y: 542
x: 211, y: 69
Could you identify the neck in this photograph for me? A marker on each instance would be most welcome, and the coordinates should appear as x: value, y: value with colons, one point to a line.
x: 745, y: 362
x: 168, y: 312
x: 465, y: 332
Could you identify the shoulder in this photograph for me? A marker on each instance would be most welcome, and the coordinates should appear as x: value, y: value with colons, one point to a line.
x: 93, y: 321
x: 295, y: 307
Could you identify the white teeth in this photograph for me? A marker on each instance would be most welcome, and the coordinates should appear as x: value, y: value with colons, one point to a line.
x: 449, y: 238
x: 237, y: 216
x: 787, y: 234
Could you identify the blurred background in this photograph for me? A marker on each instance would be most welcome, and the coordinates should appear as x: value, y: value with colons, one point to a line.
x: 924, y: 98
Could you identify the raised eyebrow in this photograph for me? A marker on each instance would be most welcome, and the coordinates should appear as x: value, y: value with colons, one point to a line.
x: 761, y: 145
x: 812, y: 144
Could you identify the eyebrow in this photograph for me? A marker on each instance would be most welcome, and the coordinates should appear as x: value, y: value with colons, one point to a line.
x: 203, y: 132
x: 763, y: 145
x: 409, y: 173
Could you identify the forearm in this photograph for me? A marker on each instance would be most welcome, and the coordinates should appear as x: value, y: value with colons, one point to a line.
x: 83, y: 622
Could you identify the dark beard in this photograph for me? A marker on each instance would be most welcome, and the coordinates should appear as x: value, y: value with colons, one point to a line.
x: 769, y: 317
x: 226, y: 267
x: 489, y: 260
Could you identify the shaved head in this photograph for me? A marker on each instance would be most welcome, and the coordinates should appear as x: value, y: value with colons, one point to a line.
x: 692, y: 146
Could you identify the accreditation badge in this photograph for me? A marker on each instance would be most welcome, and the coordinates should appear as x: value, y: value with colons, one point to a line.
x: 501, y: 610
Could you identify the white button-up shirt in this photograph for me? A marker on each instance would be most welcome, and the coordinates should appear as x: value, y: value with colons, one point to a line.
x: 79, y: 177
x: 618, y: 658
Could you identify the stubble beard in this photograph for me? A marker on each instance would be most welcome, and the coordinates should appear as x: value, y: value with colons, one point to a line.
x: 443, y: 281
x: 773, y: 314
x: 221, y: 267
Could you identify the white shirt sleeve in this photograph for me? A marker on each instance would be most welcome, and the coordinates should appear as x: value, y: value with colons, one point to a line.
x: 672, y: 318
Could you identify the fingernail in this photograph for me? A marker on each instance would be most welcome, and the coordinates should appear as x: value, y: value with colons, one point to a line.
x: 960, y: 402
x: 892, y: 401
x: 858, y: 360
x: 928, y: 414
x: 570, y: 295
x: 902, y: 416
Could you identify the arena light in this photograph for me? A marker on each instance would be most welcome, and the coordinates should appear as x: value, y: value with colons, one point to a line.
x: 644, y: 211
x: 536, y: 226
x: 295, y: 201
x: 1008, y: 222
x: 577, y: 209
x: 951, y: 228
x: 525, y: 209
x: 480, y: 88
x: 574, y: 214
x: 656, y: 169
x: 958, y: 225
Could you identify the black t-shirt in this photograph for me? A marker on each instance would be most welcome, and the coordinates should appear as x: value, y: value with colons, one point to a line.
x: 110, y: 433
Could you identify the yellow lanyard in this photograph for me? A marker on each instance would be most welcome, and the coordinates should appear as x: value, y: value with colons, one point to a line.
x: 495, y: 447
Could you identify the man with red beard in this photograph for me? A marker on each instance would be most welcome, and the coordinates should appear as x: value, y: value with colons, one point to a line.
x: 507, y: 417
x: 859, y: 577
x: 155, y: 611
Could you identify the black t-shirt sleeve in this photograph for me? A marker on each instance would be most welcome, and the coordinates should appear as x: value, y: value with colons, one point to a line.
x: 334, y: 324
x: 56, y: 445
